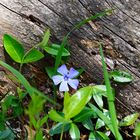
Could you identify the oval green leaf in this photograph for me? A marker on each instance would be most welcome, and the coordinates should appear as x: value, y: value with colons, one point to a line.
x: 57, y: 129
x: 91, y: 136
x: 32, y: 56
x: 88, y: 124
x: 98, y: 99
x: 121, y: 76
x: 99, y: 123
x: 77, y: 102
x: 84, y: 115
x: 129, y: 120
x: 53, y: 115
x: 14, y: 48
x: 54, y: 48
x: 74, y: 132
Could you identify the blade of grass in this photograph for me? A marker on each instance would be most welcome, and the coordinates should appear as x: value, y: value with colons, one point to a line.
x: 83, y: 22
x: 110, y: 98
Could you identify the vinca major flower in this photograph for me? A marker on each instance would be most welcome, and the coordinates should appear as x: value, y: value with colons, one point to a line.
x: 65, y: 79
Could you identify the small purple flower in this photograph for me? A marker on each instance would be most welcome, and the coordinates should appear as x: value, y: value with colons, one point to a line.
x: 66, y: 78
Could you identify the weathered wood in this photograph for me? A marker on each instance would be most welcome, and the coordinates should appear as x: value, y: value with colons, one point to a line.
x: 27, y: 19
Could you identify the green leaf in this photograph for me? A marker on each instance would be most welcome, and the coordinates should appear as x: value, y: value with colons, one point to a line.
x: 77, y: 102
x: 50, y: 72
x: 74, y: 132
x: 39, y: 135
x: 7, y: 135
x: 12, y: 102
x: 13, y: 48
x: 129, y: 120
x: 88, y: 124
x: 54, y: 48
x: 66, y: 98
x: 98, y: 99
x: 92, y: 136
x: 121, y: 76
x: 102, y: 135
x: 57, y: 129
x: 45, y: 40
x: 99, y: 123
x: 42, y: 121
x: 53, y: 115
x: 99, y: 90
x: 137, y: 129
x: 32, y: 56
x: 84, y: 115
x: 102, y: 116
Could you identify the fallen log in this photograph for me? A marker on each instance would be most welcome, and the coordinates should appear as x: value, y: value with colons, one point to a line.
x: 28, y: 19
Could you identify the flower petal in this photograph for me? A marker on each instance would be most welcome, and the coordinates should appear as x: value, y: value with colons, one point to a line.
x: 73, y: 73
x: 57, y: 79
x: 73, y: 83
x: 64, y: 86
x: 63, y: 70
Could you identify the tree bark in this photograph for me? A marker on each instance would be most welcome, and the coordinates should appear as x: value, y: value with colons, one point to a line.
x: 120, y: 32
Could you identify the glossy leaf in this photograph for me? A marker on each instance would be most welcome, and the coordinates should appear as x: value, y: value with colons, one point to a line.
x: 129, y: 120
x: 57, y: 129
x: 77, y: 102
x: 32, y: 56
x: 102, y: 135
x: 66, y: 98
x: 99, y: 90
x: 53, y: 115
x: 99, y: 123
x: 106, y: 120
x: 74, y: 132
x: 121, y: 76
x: 84, y: 115
x: 54, y: 48
x: 88, y: 124
x: 98, y: 99
x: 13, y: 48
x: 92, y: 136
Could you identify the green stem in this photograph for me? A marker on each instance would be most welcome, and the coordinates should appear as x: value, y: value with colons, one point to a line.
x: 20, y: 67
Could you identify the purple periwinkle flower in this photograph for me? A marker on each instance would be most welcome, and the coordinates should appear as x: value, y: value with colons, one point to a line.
x: 66, y: 78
